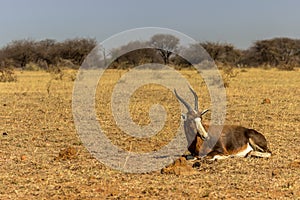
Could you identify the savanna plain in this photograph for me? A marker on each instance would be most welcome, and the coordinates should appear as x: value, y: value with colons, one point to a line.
x: 42, y: 156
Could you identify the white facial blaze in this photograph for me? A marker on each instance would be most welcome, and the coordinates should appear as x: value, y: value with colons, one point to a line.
x: 200, y: 127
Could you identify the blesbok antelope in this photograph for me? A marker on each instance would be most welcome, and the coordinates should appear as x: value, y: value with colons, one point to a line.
x: 234, y: 141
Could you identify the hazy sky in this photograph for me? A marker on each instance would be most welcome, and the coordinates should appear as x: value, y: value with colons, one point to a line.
x: 234, y: 21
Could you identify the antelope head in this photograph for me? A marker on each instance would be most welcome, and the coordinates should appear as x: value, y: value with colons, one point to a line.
x: 193, y: 119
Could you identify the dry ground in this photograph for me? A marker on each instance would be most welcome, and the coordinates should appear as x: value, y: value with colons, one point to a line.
x: 42, y: 157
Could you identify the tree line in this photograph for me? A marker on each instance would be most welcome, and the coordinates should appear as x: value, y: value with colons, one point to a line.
x: 45, y: 53
x: 282, y: 53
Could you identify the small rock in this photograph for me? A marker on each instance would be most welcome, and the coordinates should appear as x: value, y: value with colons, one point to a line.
x: 4, y: 104
x: 266, y: 101
x: 4, y: 134
x: 23, y: 157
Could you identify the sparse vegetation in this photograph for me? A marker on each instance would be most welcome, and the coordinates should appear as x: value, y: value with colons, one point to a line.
x: 42, y: 156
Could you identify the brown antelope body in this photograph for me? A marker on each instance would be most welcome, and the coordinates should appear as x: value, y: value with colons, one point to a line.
x: 234, y: 141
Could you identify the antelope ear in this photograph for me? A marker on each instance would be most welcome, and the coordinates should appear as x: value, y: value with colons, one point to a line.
x: 204, y: 111
x: 183, y: 116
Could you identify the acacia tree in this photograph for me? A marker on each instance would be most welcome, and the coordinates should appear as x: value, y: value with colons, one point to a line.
x: 222, y: 52
x: 134, y: 53
x: 165, y: 44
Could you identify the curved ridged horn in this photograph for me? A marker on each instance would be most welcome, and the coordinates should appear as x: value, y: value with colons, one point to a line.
x: 188, y: 107
x: 204, y: 111
x: 196, y: 98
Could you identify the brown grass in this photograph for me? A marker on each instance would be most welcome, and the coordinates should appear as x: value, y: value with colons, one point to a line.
x: 37, y: 129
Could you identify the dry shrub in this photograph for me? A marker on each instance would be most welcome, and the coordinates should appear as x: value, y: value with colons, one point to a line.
x: 32, y: 67
x: 7, y: 75
x: 229, y: 72
x: 287, y: 67
x: 67, y: 154
x: 179, y: 167
x: 56, y: 72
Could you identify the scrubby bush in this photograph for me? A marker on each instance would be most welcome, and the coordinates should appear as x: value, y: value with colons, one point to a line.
x: 7, y: 70
x: 75, y: 50
x: 20, y: 52
x: 7, y: 75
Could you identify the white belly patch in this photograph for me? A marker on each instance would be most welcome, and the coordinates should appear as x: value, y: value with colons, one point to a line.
x: 244, y: 152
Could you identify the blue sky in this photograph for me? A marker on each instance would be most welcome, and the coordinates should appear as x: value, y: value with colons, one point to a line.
x: 234, y: 21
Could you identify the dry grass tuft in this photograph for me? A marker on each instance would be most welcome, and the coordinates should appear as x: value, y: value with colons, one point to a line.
x: 67, y: 153
x: 179, y: 167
